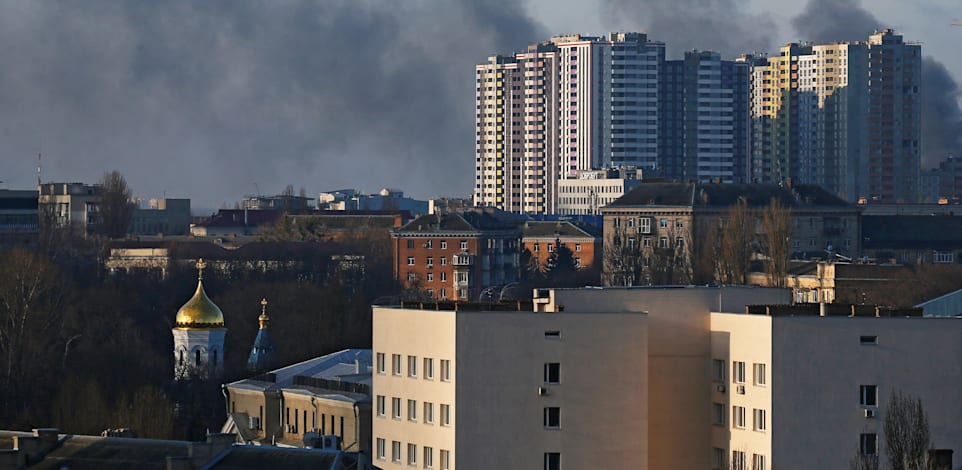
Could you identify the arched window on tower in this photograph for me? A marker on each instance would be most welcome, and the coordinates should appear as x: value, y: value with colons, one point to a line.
x: 181, y: 357
x: 197, y: 357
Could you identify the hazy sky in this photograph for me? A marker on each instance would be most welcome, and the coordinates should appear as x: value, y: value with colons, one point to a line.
x: 216, y: 99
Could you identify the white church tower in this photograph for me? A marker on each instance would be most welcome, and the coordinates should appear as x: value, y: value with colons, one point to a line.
x: 199, y: 336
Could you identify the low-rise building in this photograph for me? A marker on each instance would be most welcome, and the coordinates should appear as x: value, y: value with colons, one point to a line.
x: 913, y: 239
x: 385, y: 200
x: 325, y: 396
x: 162, y: 217
x: 584, y: 241
x: 19, y: 218
x: 590, y: 190
x: 72, y: 204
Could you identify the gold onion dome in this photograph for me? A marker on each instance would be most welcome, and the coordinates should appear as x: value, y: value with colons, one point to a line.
x: 200, y: 311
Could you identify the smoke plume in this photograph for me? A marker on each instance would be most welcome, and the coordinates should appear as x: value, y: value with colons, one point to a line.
x: 213, y: 100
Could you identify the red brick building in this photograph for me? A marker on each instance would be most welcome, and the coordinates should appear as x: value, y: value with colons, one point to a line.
x: 583, y: 240
x: 457, y: 255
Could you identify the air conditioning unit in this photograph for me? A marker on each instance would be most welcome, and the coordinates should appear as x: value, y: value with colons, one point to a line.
x: 869, y: 413
x: 720, y: 388
x: 740, y: 389
x: 543, y: 391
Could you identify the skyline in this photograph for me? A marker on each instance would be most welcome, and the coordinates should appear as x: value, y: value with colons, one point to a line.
x: 201, y: 97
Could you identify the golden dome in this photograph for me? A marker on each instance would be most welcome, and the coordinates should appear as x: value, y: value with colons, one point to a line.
x: 199, y: 311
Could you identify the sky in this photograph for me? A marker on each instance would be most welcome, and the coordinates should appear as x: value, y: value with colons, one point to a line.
x: 218, y: 99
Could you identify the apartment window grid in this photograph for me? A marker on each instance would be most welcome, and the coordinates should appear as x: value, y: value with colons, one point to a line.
x: 381, y: 366
x: 760, y: 419
x: 644, y: 225
x: 464, y: 245
x: 552, y: 373
x: 412, y: 366
x: 395, y: 408
x: 395, y: 364
x: 738, y: 372
x: 868, y: 395
x: 738, y: 460
x: 444, y: 244
x: 445, y: 415
x: 410, y: 261
x: 428, y: 371
x: 758, y: 462
x: 552, y: 461
x: 381, y: 406
x: 412, y: 454
x: 396, y: 451
x: 738, y: 417
x: 381, y: 449
x: 552, y: 417
x: 445, y: 370
x: 445, y: 457
x: 758, y: 373
x: 428, y: 457
x: 868, y: 443
x: 412, y: 410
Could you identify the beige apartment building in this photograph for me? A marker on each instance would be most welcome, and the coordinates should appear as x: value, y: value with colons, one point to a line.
x: 509, y: 389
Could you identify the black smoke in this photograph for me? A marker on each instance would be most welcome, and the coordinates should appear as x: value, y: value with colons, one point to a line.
x: 846, y: 20
x: 213, y: 100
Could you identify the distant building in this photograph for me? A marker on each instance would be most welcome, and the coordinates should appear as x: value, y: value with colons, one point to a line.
x: 590, y: 190
x: 457, y: 255
x: 19, y: 218
x: 385, y: 200
x: 584, y: 241
x: 199, y: 333
x: 325, y: 396
x: 913, y: 239
x: 235, y: 223
x: 72, y: 204
x: 945, y: 182
x: 164, y: 217
x: 281, y: 202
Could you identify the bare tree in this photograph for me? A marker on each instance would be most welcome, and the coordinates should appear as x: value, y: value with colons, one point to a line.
x: 863, y: 461
x: 737, y: 241
x: 622, y: 258
x: 116, y: 208
x: 777, y: 241
x: 906, y: 430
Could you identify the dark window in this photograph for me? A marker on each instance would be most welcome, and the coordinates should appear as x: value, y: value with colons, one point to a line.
x: 552, y: 461
x: 197, y: 357
x: 552, y: 417
x: 868, y: 395
x: 552, y: 373
x: 868, y: 444
x: 552, y: 334
x: 868, y: 339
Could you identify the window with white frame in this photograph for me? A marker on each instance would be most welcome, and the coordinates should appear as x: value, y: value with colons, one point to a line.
x: 395, y: 364
x: 444, y: 262
x: 552, y: 417
x: 412, y: 410
x: 430, y: 261
x: 428, y: 413
x: 758, y: 462
x: 868, y: 395
x: 430, y: 277
x: 552, y: 372
x: 428, y: 371
x: 738, y: 372
x: 412, y: 366
x: 381, y: 366
x: 395, y: 451
x: 412, y: 454
x: 663, y: 223
x: 943, y: 257
x: 428, y: 457
x: 381, y: 406
x: 410, y: 261
x: 464, y: 245
x: 445, y: 415
x: 644, y: 225
x: 412, y: 277
x: 381, y: 449
x: 552, y: 461
x: 738, y: 460
x: 760, y: 419
x: 395, y: 407
x: 738, y: 416
x: 445, y: 370
x: 444, y: 245
x: 445, y: 457
x: 758, y: 372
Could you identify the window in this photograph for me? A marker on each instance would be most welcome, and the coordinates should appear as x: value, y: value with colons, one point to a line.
x: 444, y: 245
x: 464, y: 245
x: 759, y: 419
x: 718, y: 369
x: 552, y: 334
x: 644, y: 225
x: 410, y: 261
x: 412, y: 410
x: 429, y: 244
x: 428, y: 368
x: 395, y: 451
x: 380, y: 363
x: 868, y: 443
x: 758, y: 371
x: 445, y: 415
x: 552, y: 372
x: 444, y: 275
x: 552, y: 461
x: 445, y: 370
x: 428, y: 457
x: 412, y: 454
x: 412, y: 277
x: 428, y: 413
x: 395, y: 408
x: 738, y: 460
x: 445, y: 457
x: 663, y: 223
x: 410, y: 244
x: 868, y: 395
x: 381, y: 449
x: 430, y: 261
x: 942, y: 257
x: 758, y: 462
x: 552, y: 417
x: 444, y: 262
x: 577, y: 247
x: 679, y: 223
x: 396, y: 364
x: 738, y: 416
x: 718, y: 459
x: 738, y: 372
x: 663, y: 242
x: 537, y: 247
x: 412, y: 366
x: 718, y: 414
x: 381, y: 406
x: 868, y: 339
x: 430, y: 276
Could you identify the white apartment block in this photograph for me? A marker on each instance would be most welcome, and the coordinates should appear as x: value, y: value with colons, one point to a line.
x: 509, y: 389
x: 589, y: 191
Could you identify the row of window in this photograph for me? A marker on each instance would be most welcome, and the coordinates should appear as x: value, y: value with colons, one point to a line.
x: 427, y: 454
x: 412, y: 409
x: 429, y: 244
x: 537, y: 247
x: 412, y: 369
x: 738, y: 372
x: 429, y: 261
x: 644, y: 223
x: 739, y: 460
x: 739, y: 414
